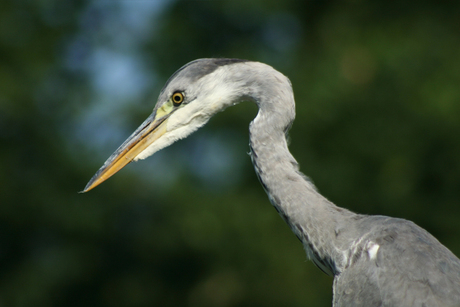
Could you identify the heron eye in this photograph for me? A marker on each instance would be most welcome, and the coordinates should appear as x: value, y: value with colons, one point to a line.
x: 177, y: 98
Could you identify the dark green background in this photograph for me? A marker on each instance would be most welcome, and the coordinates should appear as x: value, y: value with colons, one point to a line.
x: 377, y: 129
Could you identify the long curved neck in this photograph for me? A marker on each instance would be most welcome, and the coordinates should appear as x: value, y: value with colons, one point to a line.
x: 315, y: 220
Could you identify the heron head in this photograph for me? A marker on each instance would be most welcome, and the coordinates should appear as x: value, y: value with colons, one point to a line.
x: 191, y: 96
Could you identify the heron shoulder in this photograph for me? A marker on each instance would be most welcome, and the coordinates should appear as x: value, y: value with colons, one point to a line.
x: 403, y: 263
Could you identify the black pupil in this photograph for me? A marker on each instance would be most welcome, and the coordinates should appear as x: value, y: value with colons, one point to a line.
x: 177, y: 98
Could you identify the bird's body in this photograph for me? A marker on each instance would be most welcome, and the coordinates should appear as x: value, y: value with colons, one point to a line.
x: 375, y: 260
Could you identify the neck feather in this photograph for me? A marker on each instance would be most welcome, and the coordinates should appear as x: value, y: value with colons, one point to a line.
x: 315, y: 220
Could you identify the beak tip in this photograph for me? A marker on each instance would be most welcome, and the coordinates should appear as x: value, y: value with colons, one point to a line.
x: 91, y: 185
x: 146, y: 134
x: 84, y: 190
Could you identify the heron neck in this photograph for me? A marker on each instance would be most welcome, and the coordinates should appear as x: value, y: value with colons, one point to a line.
x: 314, y: 219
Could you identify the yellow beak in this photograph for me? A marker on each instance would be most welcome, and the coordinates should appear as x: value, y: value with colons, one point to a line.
x: 147, y: 133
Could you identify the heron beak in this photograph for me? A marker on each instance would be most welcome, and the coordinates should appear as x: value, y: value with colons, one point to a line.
x: 147, y: 133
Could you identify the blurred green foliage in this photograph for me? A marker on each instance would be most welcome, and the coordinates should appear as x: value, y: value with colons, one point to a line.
x: 378, y: 126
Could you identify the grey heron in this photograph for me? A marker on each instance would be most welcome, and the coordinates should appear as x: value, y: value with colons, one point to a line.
x: 375, y: 260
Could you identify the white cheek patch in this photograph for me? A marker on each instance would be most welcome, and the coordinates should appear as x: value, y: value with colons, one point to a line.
x: 177, y: 127
x: 189, y: 118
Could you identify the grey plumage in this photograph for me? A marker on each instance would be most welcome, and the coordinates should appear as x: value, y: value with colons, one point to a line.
x: 375, y: 260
